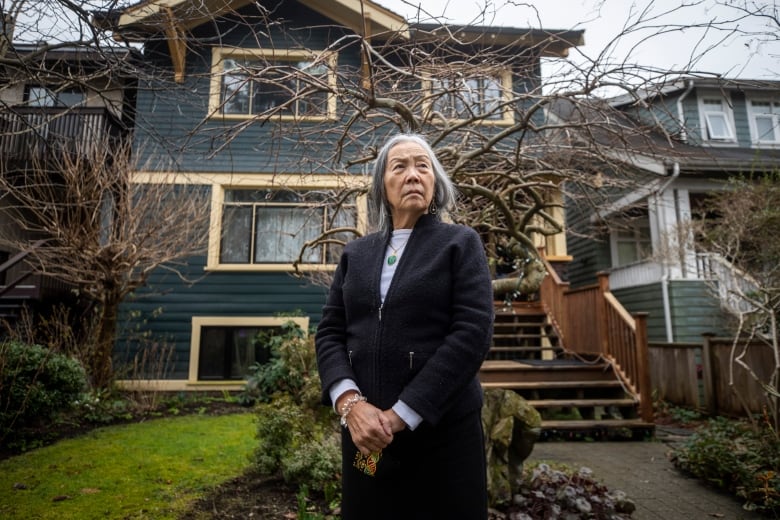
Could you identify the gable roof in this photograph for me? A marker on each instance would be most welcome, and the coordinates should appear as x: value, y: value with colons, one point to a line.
x: 147, y: 17
x: 174, y: 18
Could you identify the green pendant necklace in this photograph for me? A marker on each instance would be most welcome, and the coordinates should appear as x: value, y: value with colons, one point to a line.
x: 393, y: 258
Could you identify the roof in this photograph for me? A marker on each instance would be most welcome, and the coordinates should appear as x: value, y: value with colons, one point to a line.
x: 138, y: 21
x: 682, y: 83
x: 551, y: 42
x: 625, y: 140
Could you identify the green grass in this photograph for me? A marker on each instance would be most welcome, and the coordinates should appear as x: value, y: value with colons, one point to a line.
x: 148, y: 470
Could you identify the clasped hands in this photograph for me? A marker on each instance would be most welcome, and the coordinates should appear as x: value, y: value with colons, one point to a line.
x: 372, y: 429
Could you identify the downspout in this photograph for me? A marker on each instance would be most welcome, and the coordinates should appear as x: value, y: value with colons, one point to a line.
x: 665, y: 277
x: 680, y: 113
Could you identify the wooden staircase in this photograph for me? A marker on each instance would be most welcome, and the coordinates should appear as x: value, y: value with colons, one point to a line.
x: 577, y: 397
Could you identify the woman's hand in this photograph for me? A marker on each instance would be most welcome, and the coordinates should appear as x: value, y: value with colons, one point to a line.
x: 392, y: 421
x: 368, y: 428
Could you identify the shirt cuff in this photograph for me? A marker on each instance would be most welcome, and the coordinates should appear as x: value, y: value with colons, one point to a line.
x: 339, y: 387
x: 409, y: 416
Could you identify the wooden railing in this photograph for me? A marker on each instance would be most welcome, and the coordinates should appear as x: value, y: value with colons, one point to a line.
x: 20, y: 277
x: 28, y: 133
x: 591, y: 321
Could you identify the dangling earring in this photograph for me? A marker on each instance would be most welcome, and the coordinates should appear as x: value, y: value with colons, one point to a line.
x: 432, y: 209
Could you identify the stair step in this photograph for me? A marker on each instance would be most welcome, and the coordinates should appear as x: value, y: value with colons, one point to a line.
x: 552, y: 366
x: 535, y: 348
x: 521, y: 335
x: 580, y: 403
x: 533, y: 311
x: 583, y: 424
x: 534, y: 385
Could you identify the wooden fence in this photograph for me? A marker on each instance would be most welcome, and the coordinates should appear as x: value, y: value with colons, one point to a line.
x: 698, y: 375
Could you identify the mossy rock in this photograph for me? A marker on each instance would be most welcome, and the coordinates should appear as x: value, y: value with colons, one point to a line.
x: 512, y: 427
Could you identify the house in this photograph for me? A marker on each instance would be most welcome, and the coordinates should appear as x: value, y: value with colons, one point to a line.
x: 697, y: 133
x: 54, y: 100
x: 247, y: 100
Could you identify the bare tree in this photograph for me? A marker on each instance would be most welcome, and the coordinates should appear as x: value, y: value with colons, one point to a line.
x: 102, y: 233
x: 742, y: 228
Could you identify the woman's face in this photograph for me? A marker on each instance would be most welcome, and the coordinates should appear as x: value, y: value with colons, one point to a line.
x: 409, y: 183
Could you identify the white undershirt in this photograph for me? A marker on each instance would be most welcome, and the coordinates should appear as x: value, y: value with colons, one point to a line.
x: 398, y: 241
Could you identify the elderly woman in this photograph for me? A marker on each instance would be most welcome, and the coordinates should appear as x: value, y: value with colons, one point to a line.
x: 406, y: 326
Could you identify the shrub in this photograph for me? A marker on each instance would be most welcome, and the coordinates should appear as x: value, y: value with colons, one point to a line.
x: 298, y: 437
x: 35, y: 384
x: 291, y: 367
x: 293, y: 442
x: 738, y: 457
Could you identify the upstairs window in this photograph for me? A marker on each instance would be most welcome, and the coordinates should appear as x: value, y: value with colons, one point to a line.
x: 289, y: 84
x: 717, y: 119
x: 478, y: 95
x: 44, y: 96
x: 271, y: 226
x: 765, y: 121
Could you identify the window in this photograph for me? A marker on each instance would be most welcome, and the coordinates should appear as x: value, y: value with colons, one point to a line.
x: 224, y: 348
x: 632, y: 243
x: 42, y: 96
x: 765, y: 121
x: 478, y: 95
x: 717, y: 117
x: 271, y: 226
x: 291, y: 84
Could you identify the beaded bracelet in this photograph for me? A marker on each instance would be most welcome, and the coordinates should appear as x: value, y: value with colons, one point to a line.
x: 347, y: 407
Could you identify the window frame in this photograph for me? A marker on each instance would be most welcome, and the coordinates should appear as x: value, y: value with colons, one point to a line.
x: 270, y: 181
x: 636, y: 226
x: 220, y: 54
x: 706, y: 110
x: 198, y: 322
x: 773, y: 114
x: 504, y: 75
x: 53, y: 97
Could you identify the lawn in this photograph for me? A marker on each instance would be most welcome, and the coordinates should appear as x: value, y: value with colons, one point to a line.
x: 151, y: 469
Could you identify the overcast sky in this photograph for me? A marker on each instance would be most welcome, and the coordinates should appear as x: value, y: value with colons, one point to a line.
x: 729, y: 54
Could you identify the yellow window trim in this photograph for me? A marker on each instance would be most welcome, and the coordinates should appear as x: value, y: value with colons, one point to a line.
x: 219, y: 54
x: 268, y: 181
x: 506, y: 93
x: 227, y: 321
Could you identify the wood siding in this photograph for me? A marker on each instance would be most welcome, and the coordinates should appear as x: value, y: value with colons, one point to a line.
x: 693, y: 309
x: 169, y: 132
x: 161, y: 314
x: 646, y: 298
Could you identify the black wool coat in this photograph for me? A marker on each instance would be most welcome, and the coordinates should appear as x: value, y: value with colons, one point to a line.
x: 425, y: 344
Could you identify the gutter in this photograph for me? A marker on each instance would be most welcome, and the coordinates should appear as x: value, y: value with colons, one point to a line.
x: 680, y: 115
x: 665, y: 277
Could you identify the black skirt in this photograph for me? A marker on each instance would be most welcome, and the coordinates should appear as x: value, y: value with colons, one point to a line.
x: 427, y: 474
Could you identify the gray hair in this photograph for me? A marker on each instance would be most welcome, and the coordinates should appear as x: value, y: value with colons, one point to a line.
x: 444, y: 196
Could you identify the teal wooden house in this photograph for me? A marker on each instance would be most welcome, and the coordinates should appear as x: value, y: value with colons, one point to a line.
x: 197, y: 122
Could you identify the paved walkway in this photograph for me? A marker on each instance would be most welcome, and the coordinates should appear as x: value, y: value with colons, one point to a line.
x: 644, y: 472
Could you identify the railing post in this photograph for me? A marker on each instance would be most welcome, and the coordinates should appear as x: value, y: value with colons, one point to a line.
x: 643, y: 368
x: 601, y: 314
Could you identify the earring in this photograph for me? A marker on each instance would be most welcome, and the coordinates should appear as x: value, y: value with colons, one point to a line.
x: 433, y: 209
